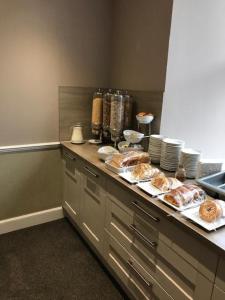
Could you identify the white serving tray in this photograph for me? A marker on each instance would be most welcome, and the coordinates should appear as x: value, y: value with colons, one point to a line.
x: 181, y: 208
x: 129, y: 177
x: 193, y: 215
x: 118, y: 170
x: 149, y: 188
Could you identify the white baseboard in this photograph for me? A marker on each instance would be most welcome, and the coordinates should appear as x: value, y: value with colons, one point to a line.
x: 32, y: 219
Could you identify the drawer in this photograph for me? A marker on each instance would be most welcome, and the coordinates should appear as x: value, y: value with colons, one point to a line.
x: 138, y: 281
x: 220, y: 275
x: 133, y: 205
x: 71, y: 163
x: 94, y: 174
x: 195, y: 252
x: 218, y: 294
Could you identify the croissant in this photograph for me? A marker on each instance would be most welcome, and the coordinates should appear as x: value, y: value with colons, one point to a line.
x: 164, y: 183
x: 144, y: 171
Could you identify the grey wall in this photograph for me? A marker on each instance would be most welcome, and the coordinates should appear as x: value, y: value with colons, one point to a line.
x: 30, y: 182
x: 140, y: 44
x: 194, y: 101
x: 45, y: 44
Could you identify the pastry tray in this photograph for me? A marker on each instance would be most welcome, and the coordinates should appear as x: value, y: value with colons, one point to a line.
x: 118, y: 170
x: 193, y: 215
x: 149, y: 188
x: 181, y: 208
x: 130, y: 178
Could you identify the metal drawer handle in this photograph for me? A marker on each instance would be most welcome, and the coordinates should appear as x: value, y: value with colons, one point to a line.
x: 69, y: 156
x: 146, y: 240
x: 156, y: 219
x: 92, y: 173
x: 130, y: 263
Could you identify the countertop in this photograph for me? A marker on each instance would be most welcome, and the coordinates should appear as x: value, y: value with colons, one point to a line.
x: 88, y: 153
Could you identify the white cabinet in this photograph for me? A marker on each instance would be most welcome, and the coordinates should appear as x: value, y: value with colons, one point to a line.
x: 218, y: 294
x: 152, y: 254
x: 93, y: 206
x: 153, y: 257
x: 72, y: 187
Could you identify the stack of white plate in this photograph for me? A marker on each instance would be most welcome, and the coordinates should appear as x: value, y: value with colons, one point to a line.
x: 154, y: 149
x: 189, y: 159
x: 170, y: 154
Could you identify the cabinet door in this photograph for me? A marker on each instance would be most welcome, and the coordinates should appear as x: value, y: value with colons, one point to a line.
x: 220, y: 275
x: 93, y: 212
x: 218, y: 294
x: 72, y: 195
x: 72, y: 192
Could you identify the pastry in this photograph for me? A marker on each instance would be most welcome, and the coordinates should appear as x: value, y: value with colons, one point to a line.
x: 142, y: 114
x: 127, y: 159
x: 144, y: 171
x: 210, y: 210
x: 184, y: 195
x: 164, y: 183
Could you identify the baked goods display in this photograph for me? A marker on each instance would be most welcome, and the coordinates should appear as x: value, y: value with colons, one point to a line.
x: 144, y: 171
x: 210, y: 211
x: 164, y: 183
x: 189, y: 199
x: 184, y: 195
x: 127, y: 159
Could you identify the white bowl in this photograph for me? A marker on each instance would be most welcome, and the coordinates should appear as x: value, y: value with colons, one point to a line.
x: 123, y: 146
x: 145, y: 119
x: 133, y: 136
x: 133, y: 147
x: 106, y: 151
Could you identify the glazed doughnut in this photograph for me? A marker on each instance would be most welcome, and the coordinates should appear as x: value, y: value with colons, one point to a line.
x: 210, y: 210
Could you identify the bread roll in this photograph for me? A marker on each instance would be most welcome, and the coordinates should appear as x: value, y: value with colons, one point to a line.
x: 210, y: 210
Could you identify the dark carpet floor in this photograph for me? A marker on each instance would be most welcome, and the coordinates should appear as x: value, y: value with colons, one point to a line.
x: 51, y: 262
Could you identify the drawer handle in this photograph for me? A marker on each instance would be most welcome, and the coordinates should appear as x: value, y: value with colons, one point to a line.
x: 146, y: 240
x: 130, y: 263
x: 92, y: 173
x: 156, y: 219
x: 69, y: 156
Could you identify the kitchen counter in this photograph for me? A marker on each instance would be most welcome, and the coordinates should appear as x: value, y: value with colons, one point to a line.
x: 88, y: 153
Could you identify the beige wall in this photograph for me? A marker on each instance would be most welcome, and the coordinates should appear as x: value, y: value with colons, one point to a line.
x: 44, y: 44
x: 140, y: 43
x: 30, y: 182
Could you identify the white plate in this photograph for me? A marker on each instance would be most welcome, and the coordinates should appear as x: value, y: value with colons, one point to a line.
x: 96, y: 142
x: 129, y: 177
x: 118, y: 170
x: 193, y: 214
x: 181, y: 208
x: 149, y: 188
x: 78, y: 143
